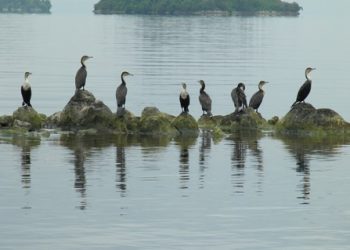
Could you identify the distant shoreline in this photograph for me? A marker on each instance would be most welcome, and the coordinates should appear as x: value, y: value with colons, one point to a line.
x: 25, y: 7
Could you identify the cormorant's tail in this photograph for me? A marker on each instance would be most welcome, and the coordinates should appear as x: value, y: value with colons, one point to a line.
x: 294, y: 104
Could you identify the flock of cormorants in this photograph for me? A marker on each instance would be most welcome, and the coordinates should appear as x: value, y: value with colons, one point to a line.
x: 238, y: 96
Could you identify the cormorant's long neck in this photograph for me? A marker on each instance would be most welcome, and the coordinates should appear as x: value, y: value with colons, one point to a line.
x: 26, y: 80
x: 123, y: 81
x: 307, y: 76
x: 82, y: 64
x: 202, y: 88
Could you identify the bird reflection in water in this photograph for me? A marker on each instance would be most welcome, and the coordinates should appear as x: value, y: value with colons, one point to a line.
x: 184, y: 142
x: 26, y: 144
x: 204, y: 151
x: 244, y: 142
x: 80, y: 177
x: 121, y: 170
x: 303, y: 167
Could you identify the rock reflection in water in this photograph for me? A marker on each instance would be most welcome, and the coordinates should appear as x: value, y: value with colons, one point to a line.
x: 184, y: 143
x: 303, y: 149
x: 244, y: 142
x: 82, y: 147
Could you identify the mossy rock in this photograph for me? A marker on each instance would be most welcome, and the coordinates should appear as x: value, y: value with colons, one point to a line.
x: 303, y: 118
x: 127, y: 124
x: 6, y: 121
x: 155, y: 122
x: 83, y: 111
x: 206, y: 121
x: 185, y: 124
x: 29, y: 118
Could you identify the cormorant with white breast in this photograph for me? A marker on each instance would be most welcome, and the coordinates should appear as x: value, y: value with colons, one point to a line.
x: 239, y: 98
x: 305, y: 88
x: 26, y: 90
x: 122, y: 90
x: 204, y: 99
x: 80, y: 77
x: 184, y: 98
x: 257, y: 98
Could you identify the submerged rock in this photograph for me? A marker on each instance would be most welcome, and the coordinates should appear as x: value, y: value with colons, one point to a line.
x: 303, y: 117
x: 28, y: 118
x: 185, y: 124
x: 83, y: 111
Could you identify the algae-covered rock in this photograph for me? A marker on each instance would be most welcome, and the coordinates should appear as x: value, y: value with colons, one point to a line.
x: 185, y: 124
x: 53, y: 120
x: 83, y: 111
x: 206, y: 121
x: 303, y: 117
x: 28, y: 118
x: 128, y: 123
x: 155, y: 122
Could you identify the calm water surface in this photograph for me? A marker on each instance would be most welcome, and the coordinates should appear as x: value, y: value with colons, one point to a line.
x: 245, y: 191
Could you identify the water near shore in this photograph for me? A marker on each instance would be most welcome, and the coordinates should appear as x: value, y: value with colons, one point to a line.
x: 246, y: 191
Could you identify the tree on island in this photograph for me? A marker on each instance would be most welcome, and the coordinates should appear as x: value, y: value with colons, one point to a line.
x: 25, y: 6
x: 173, y: 7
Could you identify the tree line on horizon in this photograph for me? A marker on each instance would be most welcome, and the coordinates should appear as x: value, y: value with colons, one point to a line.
x: 25, y: 6
x: 193, y: 6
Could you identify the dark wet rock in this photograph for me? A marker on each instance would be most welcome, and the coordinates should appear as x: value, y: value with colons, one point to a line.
x: 6, y: 121
x: 28, y: 118
x: 83, y: 111
x: 303, y: 117
x: 155, y: 122
x: 273, y: 121
x: 185, y: 124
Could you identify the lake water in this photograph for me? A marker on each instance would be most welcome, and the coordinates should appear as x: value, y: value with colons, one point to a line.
x: 245, y: 191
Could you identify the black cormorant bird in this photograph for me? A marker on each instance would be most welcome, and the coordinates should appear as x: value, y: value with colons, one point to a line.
x: 184, y: 98
x: 258, y: 97
x: 305, y: 88
x: 204, y: 99
x: 26, y: 90
x: 80, y: 77
x: 239, y: 98
x: 122, y: 90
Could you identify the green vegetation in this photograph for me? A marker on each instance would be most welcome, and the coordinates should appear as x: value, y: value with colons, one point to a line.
x: 188, y: 7
x: 25, y: 6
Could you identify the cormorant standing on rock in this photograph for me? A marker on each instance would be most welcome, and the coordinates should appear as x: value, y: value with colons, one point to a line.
x: 26, y: 90
x: 204, y: 99
x: 305, y: 88
x: 239, y: 98
x: 258, y: 97
x: 80, y: 77
x: 120, y: 94
x: 184, y: 98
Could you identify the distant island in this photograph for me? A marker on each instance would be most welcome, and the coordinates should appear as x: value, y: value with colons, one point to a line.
x: 197, y: 7
x: 25, y: 6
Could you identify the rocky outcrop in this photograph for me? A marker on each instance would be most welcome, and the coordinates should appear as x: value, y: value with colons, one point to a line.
x: 248, y: 119
x: 185, y: 124
x: 27, y: 118
x: 83, y: 111
x: 304, y: 118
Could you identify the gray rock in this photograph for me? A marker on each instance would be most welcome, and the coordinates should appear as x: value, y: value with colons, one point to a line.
x: 6, y: 121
